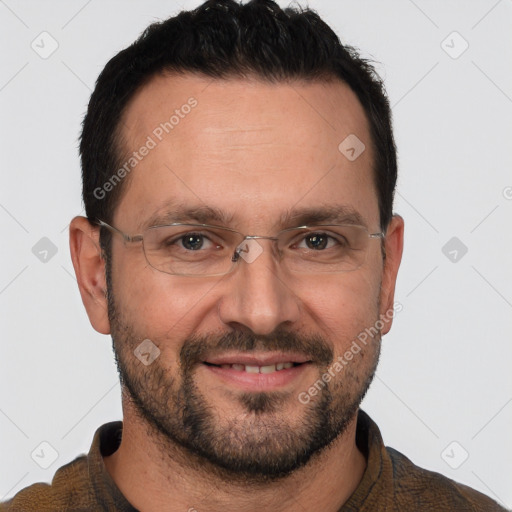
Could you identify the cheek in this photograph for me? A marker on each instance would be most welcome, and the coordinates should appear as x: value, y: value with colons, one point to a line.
x: 158, y: 306
x: 143, y: 300
x: 344, y: 306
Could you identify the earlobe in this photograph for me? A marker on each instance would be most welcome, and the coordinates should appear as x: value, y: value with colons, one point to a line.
x: 89, y: 268
x: 394, y: 243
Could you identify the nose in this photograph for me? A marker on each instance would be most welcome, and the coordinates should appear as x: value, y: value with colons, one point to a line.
x: 259, y: 295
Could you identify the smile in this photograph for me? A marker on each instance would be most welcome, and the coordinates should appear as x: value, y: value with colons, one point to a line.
x: 271, y: 368
x: 258, y: 371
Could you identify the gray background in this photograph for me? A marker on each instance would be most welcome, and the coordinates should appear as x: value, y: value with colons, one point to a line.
x: 443, y: 391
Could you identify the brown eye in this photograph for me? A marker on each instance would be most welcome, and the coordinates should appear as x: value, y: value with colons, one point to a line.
x: 317, y: 241
x: 192, y: 241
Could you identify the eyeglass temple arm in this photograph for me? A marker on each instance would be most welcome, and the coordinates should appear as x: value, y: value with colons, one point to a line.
x: 126, y: 238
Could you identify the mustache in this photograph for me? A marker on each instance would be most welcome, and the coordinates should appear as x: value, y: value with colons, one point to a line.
x: 197, y: 347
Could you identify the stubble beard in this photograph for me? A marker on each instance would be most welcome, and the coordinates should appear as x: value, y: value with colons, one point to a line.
x: 259, y: 445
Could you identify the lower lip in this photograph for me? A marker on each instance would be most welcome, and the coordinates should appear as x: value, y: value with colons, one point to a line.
x: 258, y: 381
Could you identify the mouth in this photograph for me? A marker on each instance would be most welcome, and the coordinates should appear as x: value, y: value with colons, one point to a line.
x: 255, y: 372
x: 249, y: 368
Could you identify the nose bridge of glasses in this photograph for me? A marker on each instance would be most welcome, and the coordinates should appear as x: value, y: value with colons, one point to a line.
x: 249, y: 249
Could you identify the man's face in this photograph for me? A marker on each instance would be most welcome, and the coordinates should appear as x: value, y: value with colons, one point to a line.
x: 260, y: 154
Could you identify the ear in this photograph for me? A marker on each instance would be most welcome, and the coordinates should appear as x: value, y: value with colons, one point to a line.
x: 394, y: 243
x: 90, y: 271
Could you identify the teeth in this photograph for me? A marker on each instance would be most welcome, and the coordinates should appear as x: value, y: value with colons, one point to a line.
x: 257, y: 369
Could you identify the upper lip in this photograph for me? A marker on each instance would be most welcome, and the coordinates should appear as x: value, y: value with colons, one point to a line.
x: 264, y: 359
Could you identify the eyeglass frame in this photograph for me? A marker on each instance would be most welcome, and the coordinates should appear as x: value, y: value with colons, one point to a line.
x: 236, y: 255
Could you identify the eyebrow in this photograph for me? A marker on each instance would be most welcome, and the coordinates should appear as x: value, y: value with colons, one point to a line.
x: 326, y: 214
x: 173, y: 212
x: 294, y: 217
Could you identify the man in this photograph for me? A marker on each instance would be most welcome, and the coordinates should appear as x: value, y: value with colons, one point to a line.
x: 238, y: 178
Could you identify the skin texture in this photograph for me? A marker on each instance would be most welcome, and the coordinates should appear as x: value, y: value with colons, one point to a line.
x: 255, y: 151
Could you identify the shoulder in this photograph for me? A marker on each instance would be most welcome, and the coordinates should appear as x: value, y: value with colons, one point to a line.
x: 70, y: 487
x: 412, y: 483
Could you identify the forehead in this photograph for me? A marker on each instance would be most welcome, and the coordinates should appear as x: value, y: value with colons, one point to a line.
x: 252, y: 150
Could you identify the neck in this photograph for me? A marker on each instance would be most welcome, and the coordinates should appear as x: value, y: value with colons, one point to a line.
x: 152, y: 481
